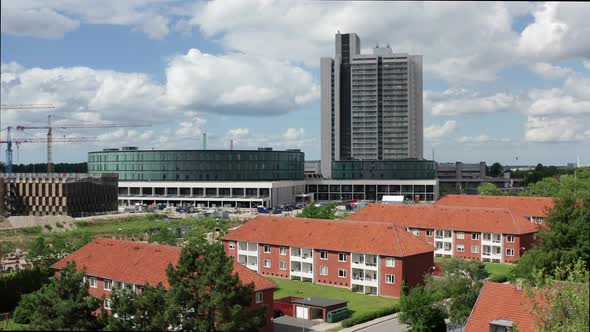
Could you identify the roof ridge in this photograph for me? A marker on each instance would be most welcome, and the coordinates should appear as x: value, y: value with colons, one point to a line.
x: 398, y: 241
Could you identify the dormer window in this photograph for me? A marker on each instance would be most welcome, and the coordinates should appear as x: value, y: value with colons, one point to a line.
x: 501, y: 326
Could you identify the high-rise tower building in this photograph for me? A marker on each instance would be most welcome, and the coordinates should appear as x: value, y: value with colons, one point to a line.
x: 371, y: 104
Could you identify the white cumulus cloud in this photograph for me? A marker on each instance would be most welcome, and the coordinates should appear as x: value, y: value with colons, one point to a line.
x: 550, y: 71
x: 436, y: 133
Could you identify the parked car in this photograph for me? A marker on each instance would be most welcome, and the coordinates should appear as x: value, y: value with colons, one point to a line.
x: 262, y: 209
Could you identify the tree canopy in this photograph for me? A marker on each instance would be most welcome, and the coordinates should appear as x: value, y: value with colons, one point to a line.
x: 489, y: 189
x: 206, y: 295
x: 565, y: 240
x: 327, y: 211
x: 62, y: 305
x: 451, y: 296
x: 145, y: 312
x: 496, y: 170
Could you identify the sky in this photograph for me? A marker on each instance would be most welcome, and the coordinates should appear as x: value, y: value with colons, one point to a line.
x: 506, y: 82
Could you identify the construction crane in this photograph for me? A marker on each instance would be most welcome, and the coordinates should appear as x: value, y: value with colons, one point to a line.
x: 50, y: 128
x: 9, y: 141
x: 21, y: 107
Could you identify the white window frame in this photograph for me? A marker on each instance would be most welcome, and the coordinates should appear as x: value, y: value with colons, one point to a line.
x: 269, y: 249
x: 476, y: 251
x: 340, y: 254
x: 283, y: 251
x: 416, y: 231
x: 109, y: 282
x: 231, y: 244
x: 460, y: 235
x: 269, y: 263
x: 323, y: 268
x: 281, y: 264
x: 259, y: 297
x: 390, y: 278
x: 508, y: 238
x: 389, y: 261
x: 475, y: 236
x: 460, y: 248
x: 107, y: 303
x: 92, y: 282
x: 322, y: 255
x: 340, y: 274
x: 441, y: 245
x: 509, y: 249
x: 429, y: 232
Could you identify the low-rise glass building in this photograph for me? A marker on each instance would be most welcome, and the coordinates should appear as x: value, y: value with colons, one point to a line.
x: 133, y: 164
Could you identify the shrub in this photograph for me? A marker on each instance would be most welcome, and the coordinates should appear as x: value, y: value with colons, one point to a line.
x: 48, y: 227
x: 31, y: 230
x: 59, y: 225
x: 499, y: 278
x: 370, y: 316
x: 14, y: 285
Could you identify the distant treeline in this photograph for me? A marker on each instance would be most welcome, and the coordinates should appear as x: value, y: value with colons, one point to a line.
x: 42, y: 168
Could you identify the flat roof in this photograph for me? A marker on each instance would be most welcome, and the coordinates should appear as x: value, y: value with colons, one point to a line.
x: 318, y: 302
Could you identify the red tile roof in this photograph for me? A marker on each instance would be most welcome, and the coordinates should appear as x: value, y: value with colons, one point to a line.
x: 447, y: 217
x: 501, y: 302
x: 337, y: 235
x: 139, y: 263
x: 525, y: 206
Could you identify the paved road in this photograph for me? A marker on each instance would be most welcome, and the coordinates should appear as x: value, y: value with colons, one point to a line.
x: 392, y: 325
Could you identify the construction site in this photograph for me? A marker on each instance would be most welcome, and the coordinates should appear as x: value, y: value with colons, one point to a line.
x: 49, y: 193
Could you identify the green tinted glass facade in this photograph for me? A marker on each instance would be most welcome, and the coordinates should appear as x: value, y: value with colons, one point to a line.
x: 384, y: 169
x: 199, y: 165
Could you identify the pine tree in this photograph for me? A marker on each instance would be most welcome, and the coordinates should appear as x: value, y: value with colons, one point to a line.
x: 205, y: 295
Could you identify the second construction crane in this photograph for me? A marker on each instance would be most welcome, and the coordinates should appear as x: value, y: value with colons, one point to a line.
x: 51, y: 126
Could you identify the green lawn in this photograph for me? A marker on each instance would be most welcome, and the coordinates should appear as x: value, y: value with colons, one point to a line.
x: 358, y: 304
x: 496, y: 270
x: 10, y: 325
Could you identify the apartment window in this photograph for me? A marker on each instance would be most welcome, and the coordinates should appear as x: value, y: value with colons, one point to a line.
x: 475, y: 236
x: 283, y: 265
x: 342, y: 257
x: 283, y: 251
x: 324, y: 255
x: 509, y: 252
x: 266, y: 249
x: 390, y: 278
x: 267, y: 263
x: 231, y: 245
x: 416, y: 232
x: 108, y: 284
x: 259, y: 297
x: 510, y: 238
x: 429, y: 232
x: 107, y: 303
x: 92, y: 282
x: 324, y: 271
x: 487, y: 236
x: 475, y: 249
x: 460, y: 235
x: 389, y: 261
x: 439, y: 245
x: 460, y: 248
x: 341, y: 273
x: 118, y: 285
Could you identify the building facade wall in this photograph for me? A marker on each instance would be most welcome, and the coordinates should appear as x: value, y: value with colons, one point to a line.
x: 199, y: 165
x: 387, y: 289
x: 333, y: 264
x: 275, y: 258
x: 415, y: 267
x: 42, y: 194
x: 324, y: 189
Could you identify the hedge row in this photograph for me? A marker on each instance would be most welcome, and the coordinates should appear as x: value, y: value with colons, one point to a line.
x: 14, y: 285
x: 499, y: 278
x: 370, y: 316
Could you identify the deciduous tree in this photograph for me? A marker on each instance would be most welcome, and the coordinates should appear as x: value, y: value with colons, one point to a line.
x: 62, y: 305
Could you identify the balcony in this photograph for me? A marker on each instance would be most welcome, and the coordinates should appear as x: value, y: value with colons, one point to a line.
x: 248, y: 248
x: 303, y: 255
x: 303, y: 270
x: 365, y: 278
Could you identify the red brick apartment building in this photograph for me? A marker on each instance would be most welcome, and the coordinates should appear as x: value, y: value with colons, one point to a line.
x: 112, y: 264
x: 367, y: 257
x: 532, y: 208
x: 486, y: 234
x: 499, y: 308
